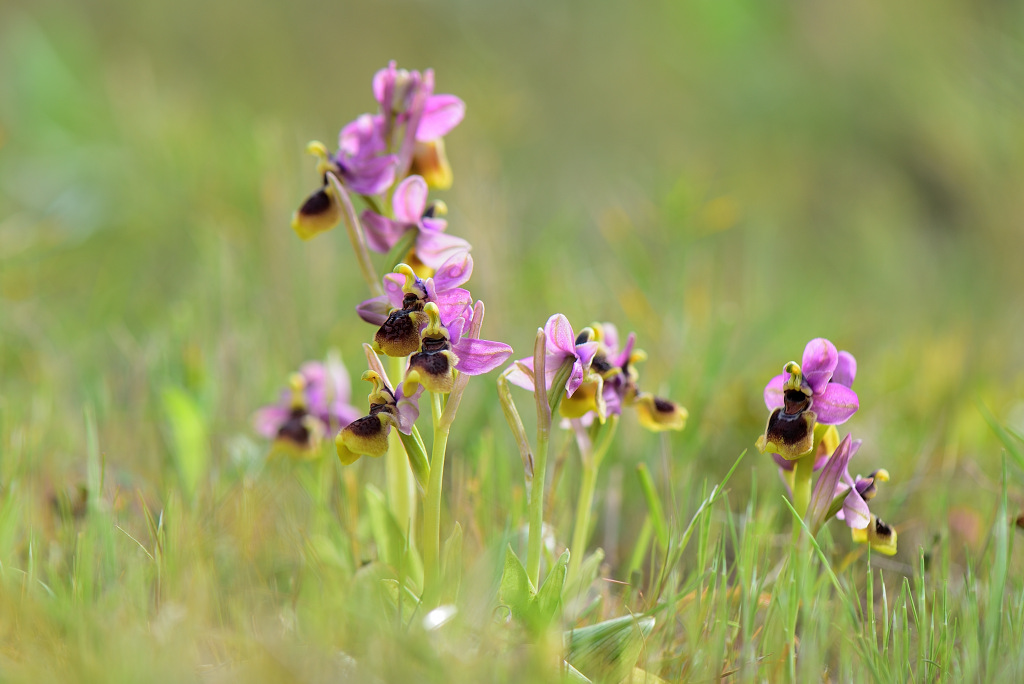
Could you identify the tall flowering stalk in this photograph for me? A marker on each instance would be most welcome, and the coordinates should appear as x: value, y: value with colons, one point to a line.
x: 588, y: 378
x: 427, y: 323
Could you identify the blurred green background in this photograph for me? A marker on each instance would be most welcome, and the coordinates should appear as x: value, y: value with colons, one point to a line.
x: 729, y: 178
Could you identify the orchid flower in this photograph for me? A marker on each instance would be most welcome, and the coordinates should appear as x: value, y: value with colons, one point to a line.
x: 399, y: 312
x: 818, y: 390
x: 445, y: 348
x: 369, y: 435
x: 317, y: 400
x: 433, y: 247
x: 836, y: 494
x: 406, y: 98
x: 360, y: 164
x: 562, y: 345
x: 613, y: 370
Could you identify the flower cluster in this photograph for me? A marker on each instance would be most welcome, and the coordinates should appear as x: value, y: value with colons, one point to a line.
x: 404, y: 138
x: 431, y: 321
x: 426, y: 320
x: 603, y: 376
x: 388, y: 408
x: 316, y: 401
x: 806, y: 402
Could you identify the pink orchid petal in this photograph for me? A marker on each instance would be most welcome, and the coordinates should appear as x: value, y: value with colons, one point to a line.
x: 393, y: 283
x: 773, y: 394
x: 453, y: 304
x: 454, y: 272
x: 456, y: 328
x: 575, y: 379
x: 410, y: 200
x: 855, y: 512
x: 362, y: 137
x: 819, y: 361
x: 623, y: 357
x: 441, y: 114
x: 560, y: 337
x: 434, y: 249
x: 383, y: 81
x: 269, y: 419
x: 433, y: 226
x: 825, y: 488
x: 835, y: 405
x: 480, y: 356
x: 586, y: 352
x: 783, y: 463
x: 371, y: 176
x: 846, y: 369
x: 381, y: 233
x: 521, y: 374
x: 375, y: 311
x: 611, y: 337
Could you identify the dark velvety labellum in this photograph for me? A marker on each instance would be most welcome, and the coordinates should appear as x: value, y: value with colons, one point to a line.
x: 664, y: 405
x: 400, y: 333
x: 583, y: 337
x: 294, y: 429
x: 317, y: 203
x: 432, y: 363
x: 365, y: 427
x: 601, y: 364
x: 882, y: 529
x: 788, y: 429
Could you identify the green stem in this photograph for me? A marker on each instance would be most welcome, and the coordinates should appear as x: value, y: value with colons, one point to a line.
x: 580, y: 531
x: 591, y: 455
x: 432, y: 508
x: 802, y: 474
x: 400, y: 480
x: 540, y: 462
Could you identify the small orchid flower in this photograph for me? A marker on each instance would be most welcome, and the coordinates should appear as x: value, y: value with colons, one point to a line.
x: 838, y: 495
x: 369, y: 435
x: 659, y: 414
x: 433, y: 247
x: 406, y: 98
x: 881, y: 536
x: 316, y: 400
x: 445, y: 349
x: 855, y: 512
x: 815, y: 391
x: 616, y: 370
x: 360, y: 164
x: 562, y: 345
x: 399, y: 312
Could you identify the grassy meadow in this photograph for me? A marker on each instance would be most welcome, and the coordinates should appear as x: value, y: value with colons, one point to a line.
x: 727, y: 178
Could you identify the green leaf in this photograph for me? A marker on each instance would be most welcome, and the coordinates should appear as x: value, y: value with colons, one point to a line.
x: 1014, y: 449
x: 516, y: 589
x: 392, y: 548
x: 657, y: 511
x: 548, y: 602
x: 608, y: 651
x: 189, y: 437
x: 451, y: 569
x: 587, y: 574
